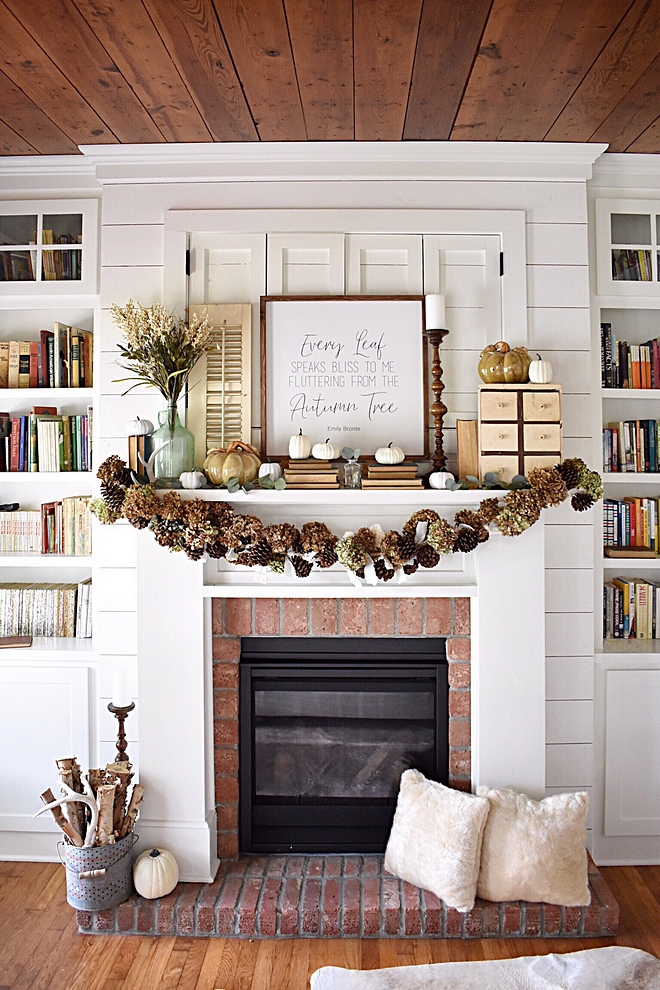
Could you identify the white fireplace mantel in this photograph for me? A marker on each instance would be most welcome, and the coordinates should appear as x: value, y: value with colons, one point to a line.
x: 504, y: 578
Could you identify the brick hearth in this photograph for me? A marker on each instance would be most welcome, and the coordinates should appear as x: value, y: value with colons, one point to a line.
x: 340, y: 897
x: 236, y: 617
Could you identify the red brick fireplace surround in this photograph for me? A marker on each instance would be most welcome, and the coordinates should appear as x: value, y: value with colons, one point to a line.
x: 236, y: 617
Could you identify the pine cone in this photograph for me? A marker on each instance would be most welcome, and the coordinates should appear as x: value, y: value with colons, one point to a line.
x: 111, y: 469
x: 216, y: 550
x: 113, y: 494
x: 302, y: 567
x: 360, y: 572
x: 466, y: 541
x: 582, y: 501
x: 466, y: 517
x: 194, y: 553
x: 407, y: 546
x: 258, y: 555
x: 570, y: 470
x: 326, y: 556
x: 411, y: 567
x: 426, y: 556
x: 383, y: 572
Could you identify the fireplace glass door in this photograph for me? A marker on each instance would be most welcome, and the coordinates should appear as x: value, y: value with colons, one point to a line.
x: 326, y: 737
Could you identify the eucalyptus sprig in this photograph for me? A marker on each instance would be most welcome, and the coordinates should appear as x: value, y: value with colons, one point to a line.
x: 234, y: 485
x: 490, y: 483
x: 160, y: 350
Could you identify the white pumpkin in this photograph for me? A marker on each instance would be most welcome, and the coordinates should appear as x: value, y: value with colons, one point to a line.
x: 192, y: 479
x: 540, y: 372
x: 155, y: 873
x: 439, y: 479
x: 270, y: 470
x: 327, y: 451
x: 299, y: 446
x: 139, y: 427
x: 389, y: 454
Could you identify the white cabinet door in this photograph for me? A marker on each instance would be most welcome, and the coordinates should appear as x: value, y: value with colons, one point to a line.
x: 305, y: 264
x: 45, y: 717
x: 632, y: 746
x: 227, y: 268
x: 465, y: 269
x: 384, y: 264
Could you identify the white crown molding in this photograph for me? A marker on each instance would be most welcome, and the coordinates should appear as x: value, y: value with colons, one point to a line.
x: 41, y: 165
x: 339, y: 161
x: 618, y: 171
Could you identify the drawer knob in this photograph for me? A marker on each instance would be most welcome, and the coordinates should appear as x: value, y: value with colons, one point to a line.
x: 500, y: 405
x: 542, y: 406
x: 500, y: 436
x: 542, y: 436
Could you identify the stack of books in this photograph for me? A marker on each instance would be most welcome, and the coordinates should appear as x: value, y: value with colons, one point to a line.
x: 310, y: 472
x: 57, y: 527
x: 631, y: 523
x: 631, y: 446
x: 631, y: 609
x: 62, y: 610
x: 61, y: 358
x: 632, y: 265
x: 47, y: 441
x: 624, y: 365
x: 391, y: 476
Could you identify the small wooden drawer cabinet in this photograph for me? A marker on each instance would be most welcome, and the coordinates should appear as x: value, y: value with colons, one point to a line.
x: 519, y: 428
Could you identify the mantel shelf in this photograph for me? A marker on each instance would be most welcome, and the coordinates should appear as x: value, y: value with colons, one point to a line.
x: 340, y: 497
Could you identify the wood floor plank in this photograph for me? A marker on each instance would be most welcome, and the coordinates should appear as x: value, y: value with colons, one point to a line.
x: 192, y: 965
x: 175, y: 965
x: 212, y: 958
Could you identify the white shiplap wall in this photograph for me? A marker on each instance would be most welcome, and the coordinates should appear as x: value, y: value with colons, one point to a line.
x: 558, y: 324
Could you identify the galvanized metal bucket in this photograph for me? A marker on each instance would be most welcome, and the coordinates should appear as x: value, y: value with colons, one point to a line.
x: 100, y: 876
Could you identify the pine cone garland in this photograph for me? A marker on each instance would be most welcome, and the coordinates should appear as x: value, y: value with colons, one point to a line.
x: 276, y: 564
x: 243, y: 531
x: 367, y: 539
x: 383, y: 572
x: 360, y: 572
x: 103, y: 512
x: 582, y: 501
x: 351, y: 554
x: 466, y: 541
x: 465, y: 517
x: 258, y: 555
x: 216, y: 550
x: 441, y: 537
x: 113, y: 494
x: 422, y: 515
x: 524, y: 501
x: 411, y: 567
x: 281, y: 536
x: 112, y: 469
x: 390, y: 547
x: 141, y: 504
x: 315, y: 535
x: 570, y: 470
x: 407, y: 546
x: 167, y: 533
x: 426, y: 556
x: 302, y: 567
x: 489, y: 508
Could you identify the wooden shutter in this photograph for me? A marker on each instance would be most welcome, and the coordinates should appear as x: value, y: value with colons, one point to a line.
x: 219, y: 386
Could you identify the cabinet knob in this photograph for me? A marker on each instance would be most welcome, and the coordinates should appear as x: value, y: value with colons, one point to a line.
x: 542, y: 406
x: 500, y: 436
x: 500, y: 405
x: 542, y: 436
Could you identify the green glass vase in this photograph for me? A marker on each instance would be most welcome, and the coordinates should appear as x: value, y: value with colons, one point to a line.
x: 174, y: 446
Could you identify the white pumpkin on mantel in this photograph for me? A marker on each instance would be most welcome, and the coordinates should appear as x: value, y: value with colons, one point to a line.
x: 327, y: 451
x: 192, y: 479
x: 299, y: 446
x: 155, y: 873
x: 271, y: 469
x: 139, y: 427
x: 540, y: 372
x: 390, y: 454
x: 439, y: 479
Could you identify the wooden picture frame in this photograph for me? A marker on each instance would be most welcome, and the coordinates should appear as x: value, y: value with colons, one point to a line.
x: 365, y: 360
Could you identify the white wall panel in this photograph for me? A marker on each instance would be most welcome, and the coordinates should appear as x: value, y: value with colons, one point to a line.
x: 227, y: 268
x: 569, y: 721
x: 568, y: 546
x: 569, y: 590
x: 571, y: 369
x: 141, y: 283
x: 569, y: 678
x: 576, y: 415
x: 383, y: 264
x: 115, y: 546
x: 116, y: 633
x: 556, y: 244
x: 569, y: 765
x: 557, y: 285
x: 305, y: 264
x: 115, y: 588
x: 558, y: 329
x: 569, y: 634
x: 466, y: 271
x: 132, y: 244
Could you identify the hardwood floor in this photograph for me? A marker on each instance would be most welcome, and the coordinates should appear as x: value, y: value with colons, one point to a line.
x: 40, y: 948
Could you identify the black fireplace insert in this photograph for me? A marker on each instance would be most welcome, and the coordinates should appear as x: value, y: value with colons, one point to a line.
x: 327, y: 727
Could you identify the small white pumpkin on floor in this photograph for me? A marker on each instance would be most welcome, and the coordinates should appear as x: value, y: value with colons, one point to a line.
x: 155, y: 873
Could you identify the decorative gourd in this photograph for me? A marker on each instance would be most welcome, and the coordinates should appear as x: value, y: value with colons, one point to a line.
x: 239, y: 460
x: 270, y: 470
x: 439, y: 479
x: 540, y: 372
x: 526, y: 361
x: 139, y: 427
x: 389, y: 454
x: 192, y: 479
x: 327, y: 451
x: 299, y: 446
x: 498, y: 364
x: 155, y: 873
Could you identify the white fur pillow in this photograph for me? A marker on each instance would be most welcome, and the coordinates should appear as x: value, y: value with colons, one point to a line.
x: 535, y: 850
x: 435, y: 842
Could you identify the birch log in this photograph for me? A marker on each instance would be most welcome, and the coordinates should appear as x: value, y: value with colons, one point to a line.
x: 133, y: 808
x: 106, y: 800
x: 96, y: 777
x: 48, y: 797
x: 120, y: 775
x: 71, y: 776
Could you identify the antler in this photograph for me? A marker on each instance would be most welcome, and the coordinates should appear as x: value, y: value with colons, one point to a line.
x: 73, y: 796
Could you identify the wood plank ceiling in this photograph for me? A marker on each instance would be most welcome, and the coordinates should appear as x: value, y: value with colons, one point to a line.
x: 144, y: 71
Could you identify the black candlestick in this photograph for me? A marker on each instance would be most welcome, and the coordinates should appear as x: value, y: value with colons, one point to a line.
x: 121, y: 715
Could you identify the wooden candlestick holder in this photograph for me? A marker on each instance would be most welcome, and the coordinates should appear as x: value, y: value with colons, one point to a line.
x: 121, y: 715
x: 438, y: 409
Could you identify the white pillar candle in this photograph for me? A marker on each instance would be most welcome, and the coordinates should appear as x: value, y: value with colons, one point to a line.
x: 121, y: 693
x: 435, y: 312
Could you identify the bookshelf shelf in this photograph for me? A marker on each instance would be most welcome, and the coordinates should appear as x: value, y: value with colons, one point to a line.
x: 37, y: 477
x: 58, y: 649
x: 631, y: 477
x: 55, y: 394
x: 45, y: 560
x: 631, y: 393
x: 634, y: 564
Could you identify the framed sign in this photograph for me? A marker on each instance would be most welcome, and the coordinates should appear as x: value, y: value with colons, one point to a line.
x: 349, y: 368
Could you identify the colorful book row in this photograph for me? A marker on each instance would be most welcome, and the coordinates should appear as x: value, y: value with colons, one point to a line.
x: 631, y: 609
x: 631, y: 446
x: 61, y: 358
x: 60, y: 610
x: 631, y: 522
x: 624, y: 365
x: 632, y: 265
x: 46, y: 441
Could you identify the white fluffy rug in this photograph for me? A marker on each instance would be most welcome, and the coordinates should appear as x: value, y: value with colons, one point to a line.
x: 611, y: 968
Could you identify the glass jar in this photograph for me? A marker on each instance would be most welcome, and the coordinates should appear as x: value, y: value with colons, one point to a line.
x: 353, y: 473
x: 175, y: 446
